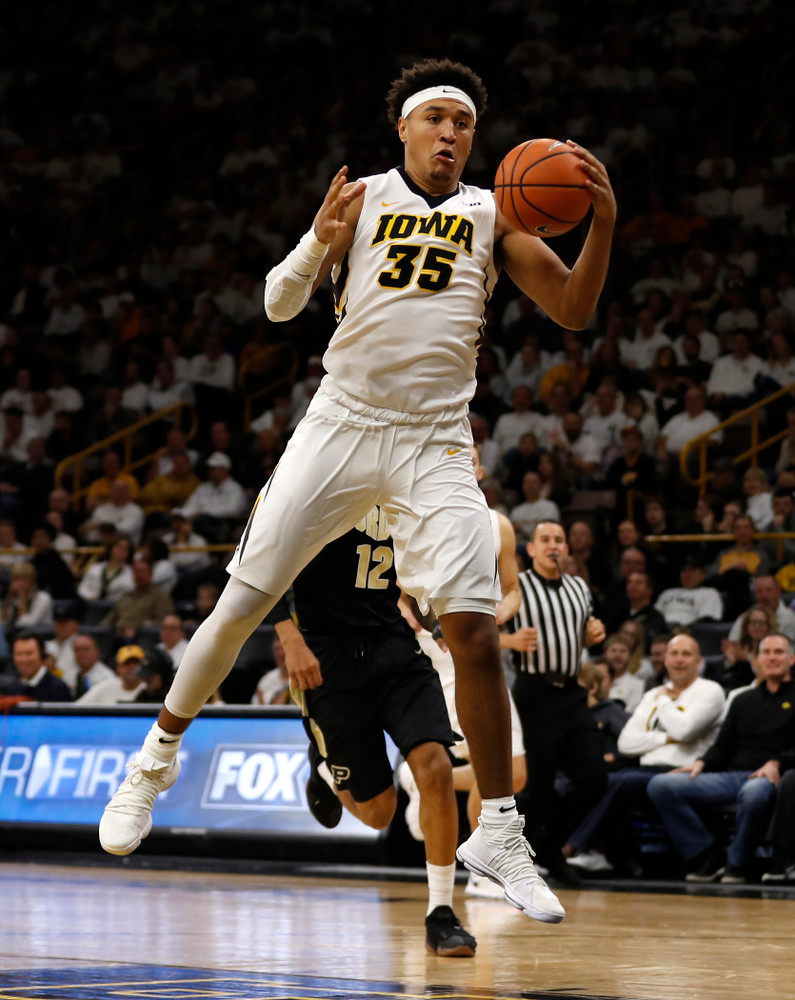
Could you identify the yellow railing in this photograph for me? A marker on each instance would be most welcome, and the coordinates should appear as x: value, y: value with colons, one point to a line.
x: 779, y: 537
x: 700, y: 443
x: 127, y: 436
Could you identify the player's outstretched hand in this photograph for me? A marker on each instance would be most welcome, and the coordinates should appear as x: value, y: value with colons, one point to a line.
x: 598, y: 183
x: 330, y: 218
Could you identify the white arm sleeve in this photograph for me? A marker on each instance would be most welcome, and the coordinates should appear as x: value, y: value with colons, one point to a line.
x: 288, y: 286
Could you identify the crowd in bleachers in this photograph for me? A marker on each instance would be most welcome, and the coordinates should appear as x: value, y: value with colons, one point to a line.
x: 209, y: 149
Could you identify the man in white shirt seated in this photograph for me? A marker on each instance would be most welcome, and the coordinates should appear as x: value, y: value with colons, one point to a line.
x: 172, y: 638
x: 694, y: 421
x: 521, y: 420
x: 91, y: 669
x: 606, y: 421
x: 767, y: 592
x: 731, y: 385
x: 120, y: 511
x: 692, y: 602
x: 525, y: 516
x: 641, y: 352
x: 219, y: 500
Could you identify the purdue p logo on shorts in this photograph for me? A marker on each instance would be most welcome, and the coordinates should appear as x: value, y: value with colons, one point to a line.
x: 339, y: 774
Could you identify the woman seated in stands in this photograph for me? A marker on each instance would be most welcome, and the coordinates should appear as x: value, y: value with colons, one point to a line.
x: 738, y: 667
x: 108, y: 579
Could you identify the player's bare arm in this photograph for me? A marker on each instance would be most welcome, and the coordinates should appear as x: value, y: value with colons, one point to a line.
x: 302, y: 665
x: 508, y: 572
x: 569, y: 297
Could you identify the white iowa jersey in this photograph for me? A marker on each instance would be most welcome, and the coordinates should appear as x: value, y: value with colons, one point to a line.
x: 411, y: 295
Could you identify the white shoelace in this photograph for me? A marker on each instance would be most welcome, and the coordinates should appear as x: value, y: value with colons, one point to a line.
x: 138, y: 791
x: 515, y: 860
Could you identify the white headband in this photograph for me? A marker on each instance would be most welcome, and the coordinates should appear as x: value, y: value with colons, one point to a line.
x: 442, y: 93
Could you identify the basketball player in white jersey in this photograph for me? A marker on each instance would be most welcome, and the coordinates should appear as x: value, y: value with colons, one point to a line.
x: 415, y: 254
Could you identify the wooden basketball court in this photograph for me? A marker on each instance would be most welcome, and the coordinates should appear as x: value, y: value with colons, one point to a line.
x: 117, y: 930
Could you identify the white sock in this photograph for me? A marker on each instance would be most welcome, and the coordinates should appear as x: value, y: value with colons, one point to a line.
x: 495, y: 816
x: 325, y: 774
x: 160, y: 744
x: 441, y: 880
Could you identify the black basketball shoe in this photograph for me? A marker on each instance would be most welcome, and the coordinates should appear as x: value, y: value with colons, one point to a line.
x: 445, y: 936
x: 323, y: 803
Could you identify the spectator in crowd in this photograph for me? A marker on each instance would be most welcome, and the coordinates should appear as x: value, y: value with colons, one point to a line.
x: 610, y: 715
x: 533, y: 509
x: 767, y: 594
x: 52, y: 573
x: 730, y: 387
x: 631, y: 474
x: 486, y: 445
x: 170, y: 489
x: 182, y: 533
x: 34, y: 679
x: 606, y: 420
x: 758, y: 498
x: 744, y: 554
x: 62, y: 543
x: 674, y: 724
x: 217, y: 502
x: 520, y: 420
x: 164, y: 570
x: 626, y: 687
x: 24, y: 605
x: 146, y: 604
x: 692, y: 601
x: 112, y: 576
x: 119, y: 510
x: 273, y: 688
x: 582, y: 547
x: 637, y: 603
x: 112, y: 472
x: 739, y: 666
x: 15, y: 552
x: 684, y: 427
x: 125, y: 686
x: 579, y: 452
x: 90, y: 668
x: 743, y: 767
x: 165, y: 390
x: 157, y: 672
x: 172, y: 638
x: 66, y: 622
x: 657, y: 648
x: 641, y: 352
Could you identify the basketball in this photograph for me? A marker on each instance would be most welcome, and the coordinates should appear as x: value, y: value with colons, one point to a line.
x: 540, y: 188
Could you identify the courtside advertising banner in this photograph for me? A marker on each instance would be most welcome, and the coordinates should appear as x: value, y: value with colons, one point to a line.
x: 239, y: 775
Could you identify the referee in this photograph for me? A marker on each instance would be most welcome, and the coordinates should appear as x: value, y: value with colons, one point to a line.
x: 547, y: 637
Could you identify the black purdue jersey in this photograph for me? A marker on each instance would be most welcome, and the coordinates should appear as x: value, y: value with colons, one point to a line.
x: 349, y: 585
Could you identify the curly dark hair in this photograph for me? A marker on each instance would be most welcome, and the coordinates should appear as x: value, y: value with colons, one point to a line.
x: 432, y: 73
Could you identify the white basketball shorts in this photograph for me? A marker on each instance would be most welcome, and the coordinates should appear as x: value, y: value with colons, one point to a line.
x: 344, y: 458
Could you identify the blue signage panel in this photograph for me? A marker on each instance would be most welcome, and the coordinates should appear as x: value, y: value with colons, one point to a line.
x: 239, y: 775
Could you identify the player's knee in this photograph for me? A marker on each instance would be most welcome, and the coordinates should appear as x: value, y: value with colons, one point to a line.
x: 379, y: 812
x: 432, y: 770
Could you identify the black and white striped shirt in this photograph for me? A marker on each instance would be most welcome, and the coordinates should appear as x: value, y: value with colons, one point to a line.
x: 559, y: 610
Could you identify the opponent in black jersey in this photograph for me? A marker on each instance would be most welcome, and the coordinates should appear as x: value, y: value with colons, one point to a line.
x: 357, y: 672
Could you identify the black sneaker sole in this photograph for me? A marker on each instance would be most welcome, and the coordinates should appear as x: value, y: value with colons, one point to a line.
x: 461, y: 950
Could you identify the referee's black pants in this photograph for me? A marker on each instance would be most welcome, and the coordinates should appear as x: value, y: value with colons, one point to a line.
x: 560, y: 735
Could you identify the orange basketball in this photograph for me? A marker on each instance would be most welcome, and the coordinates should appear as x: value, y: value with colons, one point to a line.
x: 540, y: 188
